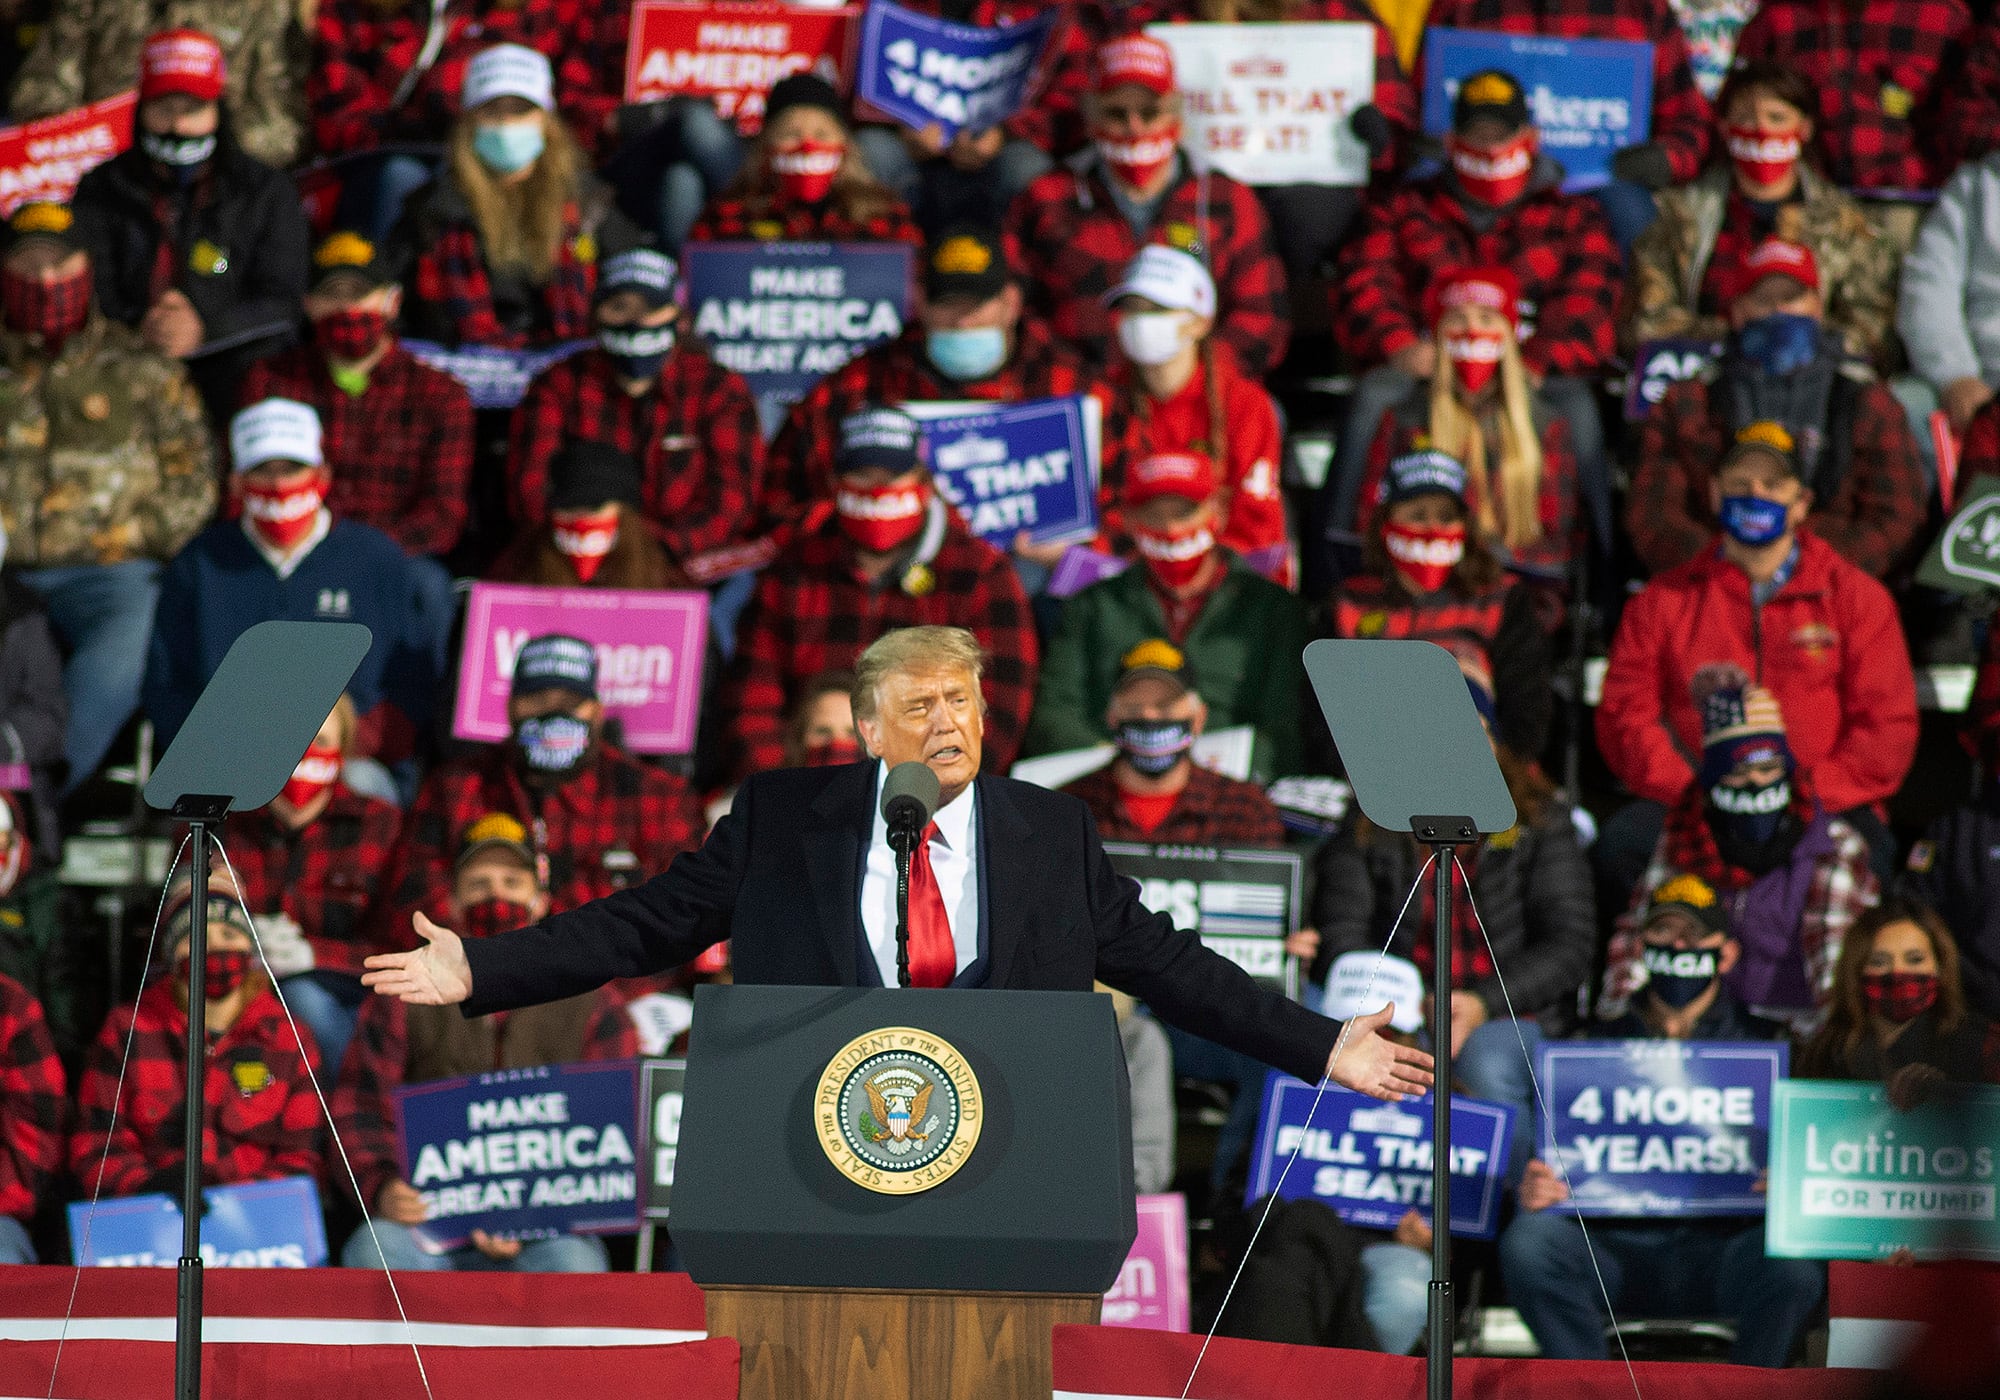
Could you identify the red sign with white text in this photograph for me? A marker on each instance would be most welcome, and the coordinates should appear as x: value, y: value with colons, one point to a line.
x: 732, y: 53
x: 43, y: 159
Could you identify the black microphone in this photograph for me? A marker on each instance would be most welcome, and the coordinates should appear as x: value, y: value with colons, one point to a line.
x: 909, y: 795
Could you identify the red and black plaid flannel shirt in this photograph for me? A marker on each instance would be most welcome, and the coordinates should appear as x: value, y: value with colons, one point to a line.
x: 1471, y: 960
x: 1979, y: 454
x: 1070, y: 244
x: 1681, y: 119
x: 730, y: 218
x: 326, y: 876
x: 1874, y: 515
x: 812, y: 612
x: 362, y: 49
x: 1876, y: 65
x: 618, y: 822
x: 34, y: 1103
x: 800, y: 470
x: 260, y: 1117
x: 694, y: 435
x: 1968, y: 124
x: 401, y: 453
x: 1210, y: 811
x: 377, y: 1064
x: 1558, y: 245
x: 450, y: 283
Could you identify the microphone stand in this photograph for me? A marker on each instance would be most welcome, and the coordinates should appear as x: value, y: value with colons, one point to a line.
x: 903, y: 841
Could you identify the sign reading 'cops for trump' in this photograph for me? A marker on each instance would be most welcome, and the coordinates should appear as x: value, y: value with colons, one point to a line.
x: 257, y: 1225
x: 927, y: 72
x: 524, y: 1153
x: 1660, y: 1127
x: 784, y: 315
x: 1242, y: 903
x: 1026, y: 466
x: 1586, y: 97
x: 1371, y: 1161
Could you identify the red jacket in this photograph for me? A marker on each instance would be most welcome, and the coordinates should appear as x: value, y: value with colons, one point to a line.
x: 1827, y: 645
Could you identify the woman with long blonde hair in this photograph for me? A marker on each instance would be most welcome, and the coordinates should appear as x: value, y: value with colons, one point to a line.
x: 503, y: 247
x: 1481, y: 408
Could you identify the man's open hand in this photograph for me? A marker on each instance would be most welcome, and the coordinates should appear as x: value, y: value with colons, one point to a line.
x: 1376, y: 1065
x: 436, y: 974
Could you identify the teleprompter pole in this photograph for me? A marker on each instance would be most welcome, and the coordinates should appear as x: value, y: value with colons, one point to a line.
x: 1442, y: 835
x: 187, y: 1297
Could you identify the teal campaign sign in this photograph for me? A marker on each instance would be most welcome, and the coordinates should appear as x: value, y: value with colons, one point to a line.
x: 1854, y: 1178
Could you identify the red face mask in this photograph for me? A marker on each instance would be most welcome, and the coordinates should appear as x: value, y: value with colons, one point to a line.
x: 1762, y: 157
x: 1498, y: 176
x: 1425, y: 555
x: 222, y: 972
x: 314, y: 775
x: 879, y: 518
x: 831, y: 752
x: 282, y: 516
x: 53, y: 310
x: 1900, y: 996
x: 492, y: 916
x: 1139, y: 161
x: 806, y: 170
x: 350, y: 335
x: 585, y: 538
x: 1175, y: 556
x: 1475, y: 357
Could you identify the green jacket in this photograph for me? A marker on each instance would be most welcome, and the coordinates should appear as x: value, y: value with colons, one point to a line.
x: 1244, y: 649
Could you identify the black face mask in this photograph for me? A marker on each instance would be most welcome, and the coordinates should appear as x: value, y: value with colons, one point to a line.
x: 638, y: 350
x: 1154, y: 746
x: 1754, y: 840
x: 1678, y: 976
x: 181, y: 156
x: 552, y: 747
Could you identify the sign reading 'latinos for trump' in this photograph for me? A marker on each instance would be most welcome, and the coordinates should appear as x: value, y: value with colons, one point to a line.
x: 1586, y: 97
x: 926, y: 72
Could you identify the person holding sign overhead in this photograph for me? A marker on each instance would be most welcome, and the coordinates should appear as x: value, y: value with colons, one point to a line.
x: 890, y: 554
x: 1673, y: 1268
x: 1073, y: 232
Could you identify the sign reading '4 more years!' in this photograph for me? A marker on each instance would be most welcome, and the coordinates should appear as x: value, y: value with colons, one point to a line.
x: 1242, y: 903
x: 1852, y: 1177
x: 925, y: 71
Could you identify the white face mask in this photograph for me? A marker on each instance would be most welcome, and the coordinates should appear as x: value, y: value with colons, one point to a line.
x: 1151, y: 337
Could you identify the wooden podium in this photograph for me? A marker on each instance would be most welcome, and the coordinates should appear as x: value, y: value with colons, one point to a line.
x: 843, y: 1281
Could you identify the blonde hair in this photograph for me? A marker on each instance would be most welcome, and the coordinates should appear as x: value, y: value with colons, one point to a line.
x: 1454, y: 428
x: 913, y: 649
x: 521, y: 225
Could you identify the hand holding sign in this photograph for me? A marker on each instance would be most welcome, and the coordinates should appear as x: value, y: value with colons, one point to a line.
x: 436, y: 974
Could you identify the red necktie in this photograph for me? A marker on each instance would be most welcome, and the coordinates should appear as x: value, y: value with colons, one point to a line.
x: 933, y: 956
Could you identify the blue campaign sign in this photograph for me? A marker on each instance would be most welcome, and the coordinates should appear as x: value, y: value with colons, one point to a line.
x: 493, y: 376
x: 1661, y: 1127
x: 1658, y: 365
x: 1371, y: 1161
x: 524, y: 1153
x: 783, y: 315
x: 1026, y: 466
x: 1587, y: 97
x: 925, y: 71
x: 258, y: 1225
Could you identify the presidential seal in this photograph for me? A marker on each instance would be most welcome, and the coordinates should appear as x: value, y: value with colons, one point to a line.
x: 898, y: 1111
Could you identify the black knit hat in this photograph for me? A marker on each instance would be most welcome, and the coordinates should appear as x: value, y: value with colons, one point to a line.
x: 801, y: 90
x: 586, y: 474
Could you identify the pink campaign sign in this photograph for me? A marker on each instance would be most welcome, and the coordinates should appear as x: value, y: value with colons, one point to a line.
x: 1152, y: 1288
x: 649, y: 645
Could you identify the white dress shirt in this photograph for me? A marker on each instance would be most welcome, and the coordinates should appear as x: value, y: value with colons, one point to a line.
x: 951, y: 860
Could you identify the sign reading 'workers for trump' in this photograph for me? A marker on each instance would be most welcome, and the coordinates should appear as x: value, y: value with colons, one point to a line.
x: 1371, y: 1161
x: 1660, y: 1127
x: 926, y: 72
x: 524, y: 1153
x: 1586, y: 97
x: 1853, y: 1177
x: 649, y: 646
x: 784, y: 315
x: 729, y: 53
x: 1268, y: 104
x: 1242, y: 903
x: 256, y: 1225
x: 1026, y: 466
x: 44, y: 159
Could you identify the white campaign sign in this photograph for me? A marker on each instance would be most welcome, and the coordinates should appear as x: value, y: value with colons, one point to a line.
x: 1268, y: 104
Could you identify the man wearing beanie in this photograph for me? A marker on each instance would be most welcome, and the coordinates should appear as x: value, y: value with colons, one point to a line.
x: 654, y: 394
x: 195, y: 244
x: 396, y: 433
x: 288, y: 556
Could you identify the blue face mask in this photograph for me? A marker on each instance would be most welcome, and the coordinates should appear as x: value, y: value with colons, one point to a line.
x: 507, y: 147
x: 967, y: 355
x: 1752, y: 520
x: 1781, y: 343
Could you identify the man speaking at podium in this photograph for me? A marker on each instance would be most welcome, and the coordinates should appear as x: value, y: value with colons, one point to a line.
x: 1009, y: 888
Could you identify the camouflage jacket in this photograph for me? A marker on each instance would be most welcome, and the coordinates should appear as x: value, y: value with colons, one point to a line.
x: 104, y: 452
x: 90, y: 49
x: 1857, y: 266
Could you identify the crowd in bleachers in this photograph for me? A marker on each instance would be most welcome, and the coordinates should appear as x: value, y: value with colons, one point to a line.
x: 209, y: 419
